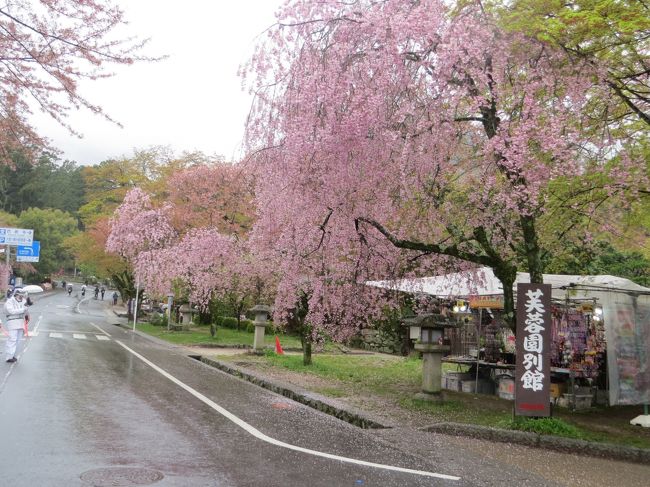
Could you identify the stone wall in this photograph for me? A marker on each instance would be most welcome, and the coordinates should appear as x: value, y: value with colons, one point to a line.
x: 380, y: 341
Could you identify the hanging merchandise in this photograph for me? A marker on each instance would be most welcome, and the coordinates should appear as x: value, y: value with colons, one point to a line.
x: 578, y: 340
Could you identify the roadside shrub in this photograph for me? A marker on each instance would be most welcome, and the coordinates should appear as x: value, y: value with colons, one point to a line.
x: 543, y: 426
x: 157, y: 319
x: 229, y: 322
x: 248, y: 325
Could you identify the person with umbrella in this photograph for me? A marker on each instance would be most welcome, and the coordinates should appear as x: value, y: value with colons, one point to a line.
x: 17, y: 317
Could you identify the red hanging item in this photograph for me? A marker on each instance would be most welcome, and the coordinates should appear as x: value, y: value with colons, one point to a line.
x: 25, y: 328
x: 278, y: 347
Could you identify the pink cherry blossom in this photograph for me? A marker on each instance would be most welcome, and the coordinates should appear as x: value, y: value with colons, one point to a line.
x: 404, y: 138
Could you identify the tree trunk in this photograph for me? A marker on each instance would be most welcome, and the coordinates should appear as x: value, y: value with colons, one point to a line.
x: 531, y: 247
x: 305, y: 340
x: 507, y: 275
x: 238, y: 310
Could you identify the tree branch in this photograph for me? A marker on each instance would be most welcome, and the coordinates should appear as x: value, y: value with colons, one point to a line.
x: 451, y: 250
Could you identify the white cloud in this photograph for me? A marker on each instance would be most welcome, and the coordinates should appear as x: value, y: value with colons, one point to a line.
x: 191, y: 101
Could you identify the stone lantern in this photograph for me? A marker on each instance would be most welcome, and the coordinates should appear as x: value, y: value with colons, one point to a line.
x: 431, y: 327
x: 186, y: 316
x: 261, y: 312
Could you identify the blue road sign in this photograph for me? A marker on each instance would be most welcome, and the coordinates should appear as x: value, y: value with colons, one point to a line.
x: 28, y: 253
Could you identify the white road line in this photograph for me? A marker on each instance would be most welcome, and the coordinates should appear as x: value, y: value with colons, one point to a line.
x: 38, y: 323
x: 102, y: 337
x: 93, y: 324
x: 80, y: 336
x: 66, y: 331
x: 79, y: 303
x: 259, y: 435
x: 56, y: 335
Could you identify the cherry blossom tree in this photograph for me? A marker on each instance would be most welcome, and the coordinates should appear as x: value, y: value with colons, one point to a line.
x: 417, y: 136
x: 47, y: 48
x: 137, y: 226
x: 217, y: 195
x: 191, y: 243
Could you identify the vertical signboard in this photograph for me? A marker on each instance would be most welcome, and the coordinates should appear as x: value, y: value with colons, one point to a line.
x: 533, y: 372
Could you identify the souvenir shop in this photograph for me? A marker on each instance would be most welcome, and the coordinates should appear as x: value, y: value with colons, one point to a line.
x: 600, y: 337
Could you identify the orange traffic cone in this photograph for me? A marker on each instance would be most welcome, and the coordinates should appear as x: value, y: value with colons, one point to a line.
x: 278, y: 347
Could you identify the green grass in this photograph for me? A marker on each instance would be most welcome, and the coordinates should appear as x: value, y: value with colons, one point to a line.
x: 461, y: 408
x: 330, y: 391
x: 544, y: 426
x: 225, y: 336
x: 373, y: 373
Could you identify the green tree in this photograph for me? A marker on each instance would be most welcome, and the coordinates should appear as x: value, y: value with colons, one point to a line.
x: 57, y: 185
x: 51, y: 228
x: 8, y: 220
x: 46, y: 183
x: 106, y: 184
x: 601, y: 257
x: 613, y: 35
x: 15, y: 195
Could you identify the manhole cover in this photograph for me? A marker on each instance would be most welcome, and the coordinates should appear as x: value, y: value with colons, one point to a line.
x: 120, y: 476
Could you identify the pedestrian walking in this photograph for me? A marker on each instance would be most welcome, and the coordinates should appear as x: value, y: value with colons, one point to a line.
x: 103, y: 290
x: 17, y: 319
x: 83, y: 290
x: 96, y: 291
x: 115, y: 296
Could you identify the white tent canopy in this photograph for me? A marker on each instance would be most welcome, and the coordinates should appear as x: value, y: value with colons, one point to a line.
x: 483, y: 282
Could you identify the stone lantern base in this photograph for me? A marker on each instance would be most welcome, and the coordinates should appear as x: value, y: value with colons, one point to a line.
x: 435, y: 397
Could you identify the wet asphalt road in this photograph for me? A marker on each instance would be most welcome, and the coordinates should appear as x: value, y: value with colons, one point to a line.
x: 82, y: 407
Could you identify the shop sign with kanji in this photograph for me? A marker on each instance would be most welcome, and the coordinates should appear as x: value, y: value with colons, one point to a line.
x: 533, y: 371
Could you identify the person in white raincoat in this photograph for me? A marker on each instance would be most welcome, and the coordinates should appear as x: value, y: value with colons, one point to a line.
x: 16, y: 313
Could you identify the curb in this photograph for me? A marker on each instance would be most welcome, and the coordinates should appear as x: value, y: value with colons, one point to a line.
x: 547, y: 442
x: 315, y: 401
x: 242, y: 347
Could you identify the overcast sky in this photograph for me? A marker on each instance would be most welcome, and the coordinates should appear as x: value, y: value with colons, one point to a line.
x: 191, y: 101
